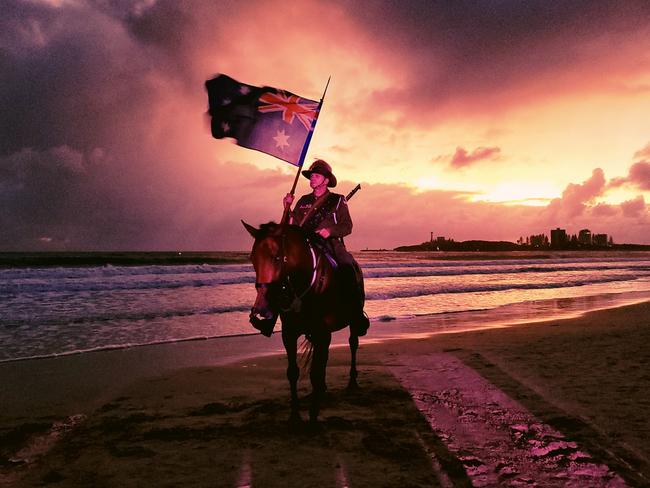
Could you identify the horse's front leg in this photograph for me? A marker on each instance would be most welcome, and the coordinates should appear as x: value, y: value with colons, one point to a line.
x: 354, y: 346
x: 321, y: 345
x: 290, y: 341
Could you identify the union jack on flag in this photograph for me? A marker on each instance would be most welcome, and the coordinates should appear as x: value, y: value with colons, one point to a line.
x: 266, y: 119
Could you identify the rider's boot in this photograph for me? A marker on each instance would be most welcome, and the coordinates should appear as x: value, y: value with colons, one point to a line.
x: 355, y: 298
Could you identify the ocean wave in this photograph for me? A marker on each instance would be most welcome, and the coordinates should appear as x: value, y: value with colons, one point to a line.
x: 508, y: 314
x: 13, y: 322
x: 129, y: 258
x: 426, y: 289
x: 240, y: 275
x: 108, y: 271
x: 462, y: 267
x: 429, y: 263
x: 43, y: 285
x: 405, y: 290
x: 422, y: 271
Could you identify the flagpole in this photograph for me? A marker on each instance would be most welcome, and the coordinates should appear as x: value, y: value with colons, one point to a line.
x: 305, y: 147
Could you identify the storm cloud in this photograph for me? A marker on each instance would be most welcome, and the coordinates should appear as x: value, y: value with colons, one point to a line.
x: 487, y: 56
x: 97, y: 149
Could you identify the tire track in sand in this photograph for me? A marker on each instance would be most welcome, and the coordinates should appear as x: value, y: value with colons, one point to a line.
x: 498, y: 440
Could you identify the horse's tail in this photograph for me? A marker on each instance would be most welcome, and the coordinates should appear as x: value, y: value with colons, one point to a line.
x: 305, y: 352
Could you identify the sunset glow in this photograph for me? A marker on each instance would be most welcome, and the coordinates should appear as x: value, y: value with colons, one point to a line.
x: 489, y: 120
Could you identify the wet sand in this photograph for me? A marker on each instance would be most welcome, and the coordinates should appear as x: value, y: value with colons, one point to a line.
x: 584, y: 379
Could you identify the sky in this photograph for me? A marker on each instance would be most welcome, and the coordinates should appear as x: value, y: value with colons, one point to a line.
x: 484, y: 119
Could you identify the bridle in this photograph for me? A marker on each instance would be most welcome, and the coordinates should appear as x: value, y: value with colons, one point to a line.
x: 285, y: 278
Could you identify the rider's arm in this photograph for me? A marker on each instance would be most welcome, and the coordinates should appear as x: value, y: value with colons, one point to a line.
x: 299, y: 210
x: 288, y: 199
x: 340, y: 225
x: 286, y: 202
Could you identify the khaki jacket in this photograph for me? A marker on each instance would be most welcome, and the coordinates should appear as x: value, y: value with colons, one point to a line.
x: 331, y: 213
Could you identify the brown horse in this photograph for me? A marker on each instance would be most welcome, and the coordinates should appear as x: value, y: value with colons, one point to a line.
x: 296, y: 281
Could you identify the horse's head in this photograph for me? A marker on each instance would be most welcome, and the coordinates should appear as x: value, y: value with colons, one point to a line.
x: 272, y: 263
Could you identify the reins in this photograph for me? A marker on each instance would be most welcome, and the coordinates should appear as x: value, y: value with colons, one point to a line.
x: 296, y: 303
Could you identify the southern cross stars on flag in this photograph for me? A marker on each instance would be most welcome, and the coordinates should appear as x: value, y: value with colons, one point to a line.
x: 266, y: 119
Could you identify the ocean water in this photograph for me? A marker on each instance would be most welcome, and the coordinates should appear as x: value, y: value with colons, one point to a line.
x: 70, y: 304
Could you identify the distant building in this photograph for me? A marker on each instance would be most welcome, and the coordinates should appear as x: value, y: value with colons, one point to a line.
x: 440, y: 240
x: 558, y: 237
x: 599, y: 240
x: 584, y: 237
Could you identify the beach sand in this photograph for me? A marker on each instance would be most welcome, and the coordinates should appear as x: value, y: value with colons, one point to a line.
x: 570, y: 396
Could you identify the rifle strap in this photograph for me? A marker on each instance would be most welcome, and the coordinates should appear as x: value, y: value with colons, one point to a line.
x: 317, y: 204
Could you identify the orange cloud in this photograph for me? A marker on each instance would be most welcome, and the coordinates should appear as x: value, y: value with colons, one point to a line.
x: 462, y: 158
x: 603, y: 210
x: 575, y: 197
x: 634, y: 208
x: 638, y: 176
x: 643, y: 153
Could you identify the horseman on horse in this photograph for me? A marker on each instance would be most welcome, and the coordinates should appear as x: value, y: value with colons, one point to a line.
x: 326, y: 214
x: 304, y: 275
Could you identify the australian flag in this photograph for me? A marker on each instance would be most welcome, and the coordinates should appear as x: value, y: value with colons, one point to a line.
x: 266, y: 119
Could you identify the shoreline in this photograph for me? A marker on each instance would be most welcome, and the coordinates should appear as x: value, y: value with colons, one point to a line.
x: 585, y: 377
x: 116, y: 366
x: 387, y: 328
x: 83, y: 259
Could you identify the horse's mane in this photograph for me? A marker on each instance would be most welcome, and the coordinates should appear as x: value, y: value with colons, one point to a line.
x: 269, y: 228
x: 272, y: 229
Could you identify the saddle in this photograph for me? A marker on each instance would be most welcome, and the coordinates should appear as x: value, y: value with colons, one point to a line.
x: 324, y: 247
x: 350, y: 277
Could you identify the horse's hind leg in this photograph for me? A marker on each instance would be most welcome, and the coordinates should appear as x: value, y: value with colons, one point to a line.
x: 293, y: 372
x: 354, y: 346
x: 317, y: 373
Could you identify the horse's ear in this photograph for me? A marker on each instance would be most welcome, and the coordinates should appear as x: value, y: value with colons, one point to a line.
x: 251, y: 230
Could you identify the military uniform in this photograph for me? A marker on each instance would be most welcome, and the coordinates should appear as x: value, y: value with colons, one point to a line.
x: 332, y: 214
x: 330, y: 211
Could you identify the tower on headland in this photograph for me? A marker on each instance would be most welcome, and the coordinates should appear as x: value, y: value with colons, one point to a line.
x: 558, y: 237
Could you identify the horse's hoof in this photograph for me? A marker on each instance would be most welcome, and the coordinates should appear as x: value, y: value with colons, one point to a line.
x: 313, y: 415
x: 315, y: 427
x: 265, y: 326
x: 295, y: 424
x: 352, y: 386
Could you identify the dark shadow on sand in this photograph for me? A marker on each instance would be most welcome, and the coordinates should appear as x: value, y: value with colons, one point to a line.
x: 373, y: 436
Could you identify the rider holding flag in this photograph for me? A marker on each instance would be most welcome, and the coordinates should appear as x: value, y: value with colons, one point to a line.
x: 326, y: 214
